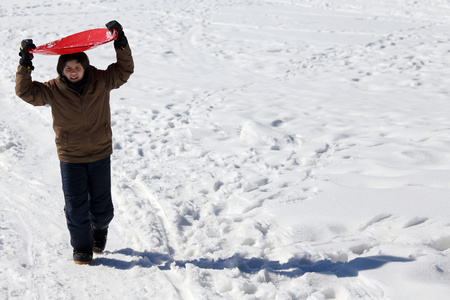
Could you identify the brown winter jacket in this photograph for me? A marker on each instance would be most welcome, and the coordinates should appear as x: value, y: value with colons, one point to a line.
x: 82, y: 123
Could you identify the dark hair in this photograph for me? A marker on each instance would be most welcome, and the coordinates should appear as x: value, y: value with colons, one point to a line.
x: 80, y: 57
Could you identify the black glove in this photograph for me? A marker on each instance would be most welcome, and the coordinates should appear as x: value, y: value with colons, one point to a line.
x: 25, y: 56
x: 121, y: 42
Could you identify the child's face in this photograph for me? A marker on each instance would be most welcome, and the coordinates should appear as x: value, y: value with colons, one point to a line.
x: 74, y: 71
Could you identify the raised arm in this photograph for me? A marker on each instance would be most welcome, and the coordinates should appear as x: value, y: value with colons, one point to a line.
x: 119, y: 72
x: 30, y: 91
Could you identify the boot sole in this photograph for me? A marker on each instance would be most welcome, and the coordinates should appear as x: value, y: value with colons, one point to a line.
x: 82, y: 262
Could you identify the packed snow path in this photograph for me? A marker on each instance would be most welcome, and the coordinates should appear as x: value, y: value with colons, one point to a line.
x: 262, y: 150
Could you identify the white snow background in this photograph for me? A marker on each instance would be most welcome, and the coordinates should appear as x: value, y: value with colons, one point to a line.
x: 262, y: 150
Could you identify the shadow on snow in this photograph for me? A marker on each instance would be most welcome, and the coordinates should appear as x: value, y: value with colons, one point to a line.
x: 295, y: 267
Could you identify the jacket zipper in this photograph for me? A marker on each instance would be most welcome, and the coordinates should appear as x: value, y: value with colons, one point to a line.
x: 86, y: 125
x: 89, y: 145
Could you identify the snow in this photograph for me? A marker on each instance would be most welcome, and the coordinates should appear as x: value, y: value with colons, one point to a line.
x: 262, y: 150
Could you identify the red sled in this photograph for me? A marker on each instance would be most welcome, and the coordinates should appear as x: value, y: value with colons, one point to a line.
x: 77, y: 42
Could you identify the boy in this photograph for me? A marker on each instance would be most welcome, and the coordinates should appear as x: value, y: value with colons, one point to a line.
x: 79, y: 99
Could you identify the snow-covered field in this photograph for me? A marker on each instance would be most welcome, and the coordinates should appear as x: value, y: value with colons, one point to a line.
x: 293, y: 149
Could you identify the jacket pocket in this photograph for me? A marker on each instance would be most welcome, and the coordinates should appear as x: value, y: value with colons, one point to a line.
x: 62, y: 139
x: 108, y: 130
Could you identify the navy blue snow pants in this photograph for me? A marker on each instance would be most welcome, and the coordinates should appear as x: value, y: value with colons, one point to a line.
x: 88, y: 202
